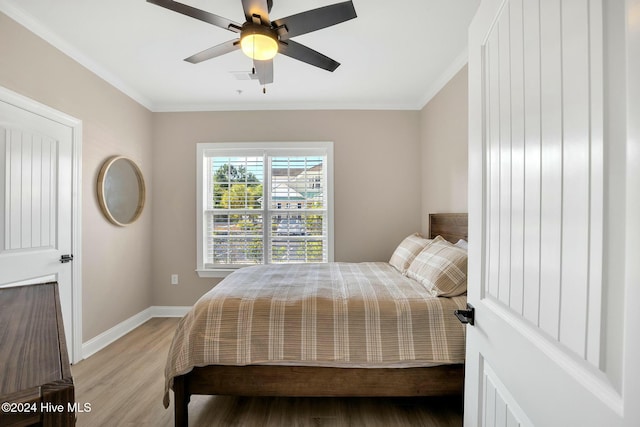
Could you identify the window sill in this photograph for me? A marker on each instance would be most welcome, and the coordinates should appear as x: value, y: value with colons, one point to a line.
x: 219, y: 273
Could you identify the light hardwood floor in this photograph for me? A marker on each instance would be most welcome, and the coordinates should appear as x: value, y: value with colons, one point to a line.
x: 123, y: 384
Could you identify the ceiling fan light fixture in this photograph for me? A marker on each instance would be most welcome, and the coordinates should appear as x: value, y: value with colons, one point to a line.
x: 258, y: 42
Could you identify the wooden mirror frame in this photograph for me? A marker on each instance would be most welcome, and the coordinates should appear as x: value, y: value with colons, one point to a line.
x: 102, y: 196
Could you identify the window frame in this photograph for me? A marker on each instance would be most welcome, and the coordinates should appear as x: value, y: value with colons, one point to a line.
x: 324, y: 148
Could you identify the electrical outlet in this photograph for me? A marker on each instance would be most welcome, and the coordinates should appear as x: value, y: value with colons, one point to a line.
x: 174, y: 279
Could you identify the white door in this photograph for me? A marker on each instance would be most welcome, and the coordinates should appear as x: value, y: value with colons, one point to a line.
x: 553, y: 234
x: 37, y: 202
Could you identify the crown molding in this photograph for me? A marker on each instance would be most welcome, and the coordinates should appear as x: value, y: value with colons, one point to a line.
x: 453, y: 69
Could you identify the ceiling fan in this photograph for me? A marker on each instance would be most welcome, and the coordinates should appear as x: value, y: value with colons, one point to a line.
x: 261, y: 39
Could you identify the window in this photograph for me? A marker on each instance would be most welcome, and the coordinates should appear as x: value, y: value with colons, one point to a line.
x: 263, y: 203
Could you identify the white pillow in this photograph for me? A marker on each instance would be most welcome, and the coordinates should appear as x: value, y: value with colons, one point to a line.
x: 462, y: 244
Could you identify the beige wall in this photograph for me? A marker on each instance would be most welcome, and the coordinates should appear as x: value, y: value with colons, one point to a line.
x: 443, y: 138
x: 377, y: 175
x: 116, y: 262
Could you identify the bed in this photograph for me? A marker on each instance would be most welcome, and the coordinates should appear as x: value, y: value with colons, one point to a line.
x: 297, y: 330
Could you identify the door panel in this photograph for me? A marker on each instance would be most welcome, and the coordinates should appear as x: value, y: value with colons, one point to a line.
x: 564, y: 201
x: 537, y: 216
x: 32, y: 178
x: 501, y: 408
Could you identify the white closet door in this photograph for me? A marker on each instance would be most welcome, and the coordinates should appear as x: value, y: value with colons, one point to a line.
x: 36, y: 205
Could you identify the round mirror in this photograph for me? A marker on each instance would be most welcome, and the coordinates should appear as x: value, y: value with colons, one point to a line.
x: 121, y: 191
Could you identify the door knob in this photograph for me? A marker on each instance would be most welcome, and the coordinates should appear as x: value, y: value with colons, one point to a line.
x: 66, y: 258
x: 466, y: 316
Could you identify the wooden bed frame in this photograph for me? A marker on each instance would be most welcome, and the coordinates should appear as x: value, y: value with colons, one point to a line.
x: 308, y: 381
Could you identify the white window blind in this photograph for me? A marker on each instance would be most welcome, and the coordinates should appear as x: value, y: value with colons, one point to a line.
x: 233, y: 212
x: 263, y: 204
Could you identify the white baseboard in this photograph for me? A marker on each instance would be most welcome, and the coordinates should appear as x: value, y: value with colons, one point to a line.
x: 99, y: 342
x: 169, y: 311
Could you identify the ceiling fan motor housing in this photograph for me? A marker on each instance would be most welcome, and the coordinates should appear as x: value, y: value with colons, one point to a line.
x: 258, y: 41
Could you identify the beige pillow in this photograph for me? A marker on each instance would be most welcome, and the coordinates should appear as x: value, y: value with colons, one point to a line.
x: 407, y: 251
x: 442, y: 268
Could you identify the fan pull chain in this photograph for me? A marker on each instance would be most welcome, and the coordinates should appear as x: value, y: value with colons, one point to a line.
x: 264, y: 87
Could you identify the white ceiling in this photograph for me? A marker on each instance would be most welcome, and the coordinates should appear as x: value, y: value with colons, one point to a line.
x: 395, y: 55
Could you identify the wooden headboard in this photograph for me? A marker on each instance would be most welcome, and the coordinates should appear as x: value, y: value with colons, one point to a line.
x: 451, y: 226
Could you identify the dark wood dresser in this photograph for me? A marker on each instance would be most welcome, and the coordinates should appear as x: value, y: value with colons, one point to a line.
x: 36, y: 387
